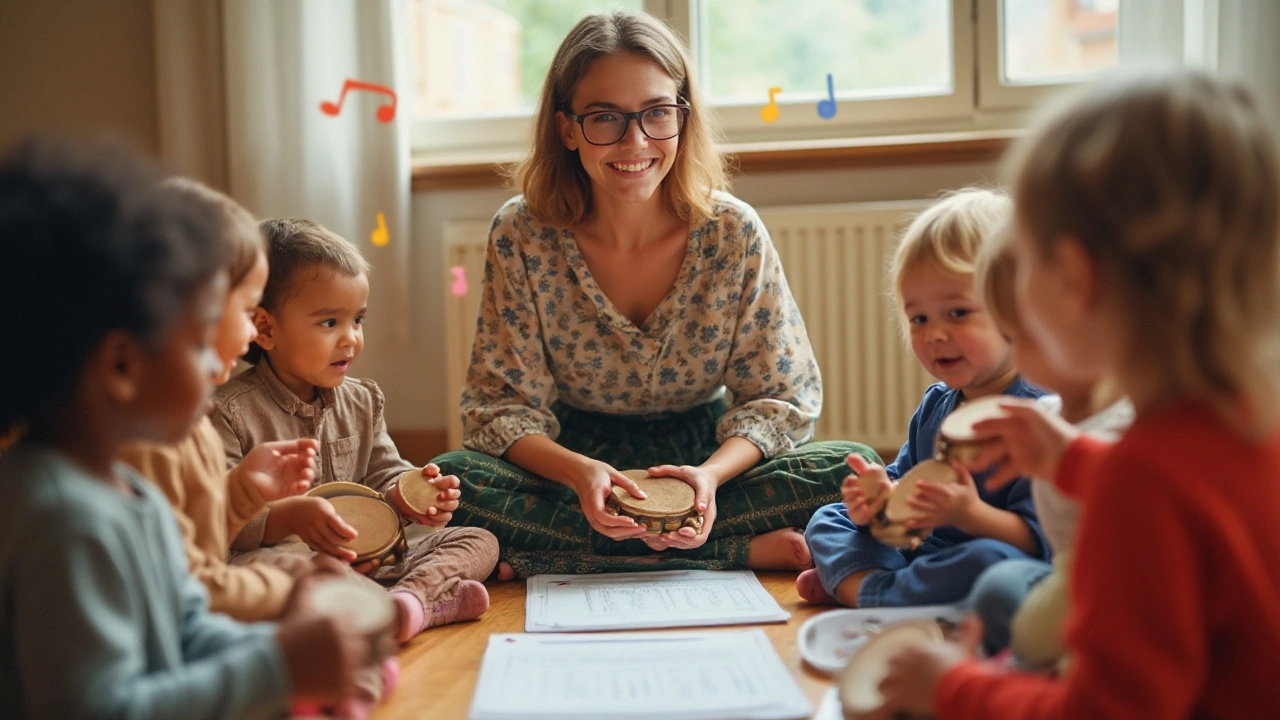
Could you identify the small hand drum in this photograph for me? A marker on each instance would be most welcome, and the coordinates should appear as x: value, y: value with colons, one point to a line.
x: 889, y: 525
x: 957, y: 439
x: 362, y: 607
x: 381, y: 540
x: 669, y: 504
x: 858, y: 685
x: 417, y: 493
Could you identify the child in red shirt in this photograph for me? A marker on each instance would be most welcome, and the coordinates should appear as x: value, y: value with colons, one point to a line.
x: 1147, y: 223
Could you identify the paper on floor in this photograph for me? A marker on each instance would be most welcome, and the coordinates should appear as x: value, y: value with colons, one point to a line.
x: 734, y: 675
x: 636, y: 601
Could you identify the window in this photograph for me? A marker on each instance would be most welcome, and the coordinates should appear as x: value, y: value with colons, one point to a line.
x: 771, y: 69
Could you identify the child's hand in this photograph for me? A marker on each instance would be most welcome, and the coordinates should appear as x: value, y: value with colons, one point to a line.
x: 281, y: 469
x: 1028, y: 442
x: 938, y: 504
x: 314, y: 520
x: 321, y: 654
x: 914, y: 672
x: 440, y: 512
x: 866, y: 491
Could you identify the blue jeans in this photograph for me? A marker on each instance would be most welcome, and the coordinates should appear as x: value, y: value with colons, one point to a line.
x: 999, y: 593
x: 939, y: 572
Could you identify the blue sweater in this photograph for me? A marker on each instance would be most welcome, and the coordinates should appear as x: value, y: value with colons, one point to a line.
x: 99, y: 617
x: 939, y: 400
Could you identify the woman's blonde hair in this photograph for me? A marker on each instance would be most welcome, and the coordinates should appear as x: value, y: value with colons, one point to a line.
x: 947, y: 235
x: 1170, y: 182
x: 994, y: 277
x: 555, y: 185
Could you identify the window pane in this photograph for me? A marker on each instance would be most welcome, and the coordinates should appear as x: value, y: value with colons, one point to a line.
x: 1047, y: 41
x: 478, y: 57
x: 871, y: 48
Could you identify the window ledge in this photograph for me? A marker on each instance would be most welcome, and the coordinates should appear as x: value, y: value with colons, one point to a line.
x: 450, y: 173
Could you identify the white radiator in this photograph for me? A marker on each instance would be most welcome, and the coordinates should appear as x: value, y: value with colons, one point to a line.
x: 835, y: 257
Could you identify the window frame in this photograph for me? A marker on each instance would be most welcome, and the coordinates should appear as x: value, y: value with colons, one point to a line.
x: 979, y: 101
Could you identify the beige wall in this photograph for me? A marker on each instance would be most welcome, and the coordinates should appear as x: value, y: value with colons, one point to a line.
x: 78, y: 67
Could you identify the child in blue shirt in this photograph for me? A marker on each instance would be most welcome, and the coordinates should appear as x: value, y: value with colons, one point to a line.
x: 956, y: 342
x: 109, y: 295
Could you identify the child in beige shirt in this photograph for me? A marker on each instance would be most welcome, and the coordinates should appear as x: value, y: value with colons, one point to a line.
x: 309, y: 327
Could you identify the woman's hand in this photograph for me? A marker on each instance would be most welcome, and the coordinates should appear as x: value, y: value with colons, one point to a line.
x: 860, y: 507
x: 915, y: 672
x: 704, y: 484
x: 280, y: 469
x: 937, y: 504
x: 314, y: 520
x: 593, y: 486
x: 1028, y: 441
x: 440, y: 512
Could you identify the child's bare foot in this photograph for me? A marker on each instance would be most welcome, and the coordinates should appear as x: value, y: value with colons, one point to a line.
x: 783, y: 549
x: 468, y: 602
x: 810, y: 588
x: 505, y: 571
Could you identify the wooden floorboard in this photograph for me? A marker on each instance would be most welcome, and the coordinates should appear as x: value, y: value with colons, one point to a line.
x: 439, y: 668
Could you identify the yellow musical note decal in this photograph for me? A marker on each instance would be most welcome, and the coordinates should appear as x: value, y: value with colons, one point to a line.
x: 380, y: 236
x: 769, y: 113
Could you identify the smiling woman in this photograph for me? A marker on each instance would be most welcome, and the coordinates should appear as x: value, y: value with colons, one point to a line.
x: 635, y: 316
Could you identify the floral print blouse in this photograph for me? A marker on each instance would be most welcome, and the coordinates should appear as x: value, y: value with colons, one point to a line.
x: 547, y: 332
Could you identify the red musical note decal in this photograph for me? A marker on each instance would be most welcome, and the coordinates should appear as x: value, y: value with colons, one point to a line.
x: 386, y: 113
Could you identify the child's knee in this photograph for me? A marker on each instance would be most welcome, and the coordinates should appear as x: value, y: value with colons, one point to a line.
x: 828, y: 519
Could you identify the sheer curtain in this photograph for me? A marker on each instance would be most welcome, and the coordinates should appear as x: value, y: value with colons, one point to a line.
x: 241, y: 83
x: 1233, y: 38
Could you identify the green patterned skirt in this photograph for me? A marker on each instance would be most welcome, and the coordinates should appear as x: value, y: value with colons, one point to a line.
x: 541, y: 528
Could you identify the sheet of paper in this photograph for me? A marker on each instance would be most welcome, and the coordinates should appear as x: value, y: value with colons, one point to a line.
x: 830, y: 707
x: 634, y: 601
x: 713, y: 675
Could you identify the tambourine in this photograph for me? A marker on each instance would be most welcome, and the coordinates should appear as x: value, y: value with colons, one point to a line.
x: 956, y: 440
x: 858, y: 685
x: 667, y: 507
x: 361, y: 606
x: 381, y: 541
x: 417, y: 493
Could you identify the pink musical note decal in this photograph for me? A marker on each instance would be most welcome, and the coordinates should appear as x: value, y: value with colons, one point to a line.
x: 385, y: 114
x: 380, y: 236
x: 769, y: 113
x: 827, y: 106
x: 459, y: 286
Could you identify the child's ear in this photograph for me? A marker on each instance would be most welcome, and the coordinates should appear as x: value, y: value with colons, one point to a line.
x: 265, y: 323
x: 118, y: 364
x: 567, y: 136
x: 1079, y: 276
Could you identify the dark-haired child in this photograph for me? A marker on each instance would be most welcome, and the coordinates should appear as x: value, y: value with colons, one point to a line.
x: 310, y: 330
x: 98, y: 614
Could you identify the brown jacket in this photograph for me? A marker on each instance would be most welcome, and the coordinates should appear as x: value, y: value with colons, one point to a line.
x: 255, y: 407
x: 212, y: 505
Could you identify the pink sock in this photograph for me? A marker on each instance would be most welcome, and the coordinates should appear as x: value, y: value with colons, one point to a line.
x: 411, y: 613
x: 468, y: 601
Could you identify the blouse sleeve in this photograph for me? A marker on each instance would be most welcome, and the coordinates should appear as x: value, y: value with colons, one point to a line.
x: 772, y: 372
x: 509, y: 387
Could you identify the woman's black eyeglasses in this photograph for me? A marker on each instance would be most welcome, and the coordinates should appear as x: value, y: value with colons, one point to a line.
x: 606, y: 127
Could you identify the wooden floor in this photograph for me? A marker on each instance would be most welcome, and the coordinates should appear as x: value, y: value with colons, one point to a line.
x: 439, y: 668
